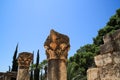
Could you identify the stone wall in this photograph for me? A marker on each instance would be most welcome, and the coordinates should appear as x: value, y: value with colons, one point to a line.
x: 108, y: 62
x: 7, y: 75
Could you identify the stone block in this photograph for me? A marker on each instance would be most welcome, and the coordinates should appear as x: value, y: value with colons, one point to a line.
x: 107, y: 38
x: 116, y: 57
x: 111, y: 42
x: 107, y: 48
x: 110, y: 78
x: 116, y: 35
x: 110, y: 73
x: 107, y: 59
x: 117, y: 44
x: 117, y: 60
x: 93, y: 74
x: 98, y: 60
x: 103, y: 60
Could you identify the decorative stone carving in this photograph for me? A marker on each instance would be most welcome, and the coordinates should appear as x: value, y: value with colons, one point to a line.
x: 24, y: 60
x: 57, y: 46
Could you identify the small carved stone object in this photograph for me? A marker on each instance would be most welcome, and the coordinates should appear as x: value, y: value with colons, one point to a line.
x: 24, y: 60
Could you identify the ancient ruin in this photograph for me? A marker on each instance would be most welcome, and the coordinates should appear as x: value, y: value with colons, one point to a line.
x: 108, y: 62
x: 57, y: 46
x: 7, y: 75
x: 24, y: 60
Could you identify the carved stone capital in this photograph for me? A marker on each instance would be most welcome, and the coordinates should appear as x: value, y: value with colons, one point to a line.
x: 57, y: 46
x: 24, y: 60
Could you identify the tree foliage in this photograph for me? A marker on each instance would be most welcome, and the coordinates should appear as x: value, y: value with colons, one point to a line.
x: 83, y: 59
x: 37, y: 70
x: 14, y: 62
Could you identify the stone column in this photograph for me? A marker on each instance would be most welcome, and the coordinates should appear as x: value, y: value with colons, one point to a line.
x: 57, y: 46
x: 24, y: 60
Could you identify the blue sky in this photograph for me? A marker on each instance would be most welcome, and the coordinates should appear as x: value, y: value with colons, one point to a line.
x: 28, y: 22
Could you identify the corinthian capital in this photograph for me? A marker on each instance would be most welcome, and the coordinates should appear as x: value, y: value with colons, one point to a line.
x: 57, y: 46
x: 24, y: 60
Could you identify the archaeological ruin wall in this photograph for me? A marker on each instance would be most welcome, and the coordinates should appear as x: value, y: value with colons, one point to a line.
x: 108, y: 61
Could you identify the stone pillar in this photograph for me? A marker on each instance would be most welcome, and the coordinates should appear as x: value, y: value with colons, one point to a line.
x: 57, y: 46
x: 24, y: 60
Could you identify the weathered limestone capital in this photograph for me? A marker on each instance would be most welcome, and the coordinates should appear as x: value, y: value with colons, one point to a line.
x: 24, y: 60
x: 57, y: 46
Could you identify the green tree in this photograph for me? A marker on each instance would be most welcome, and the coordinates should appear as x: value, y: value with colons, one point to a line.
x: 72, y: 73
x: 83, y: 60
x: 43, y: 68
x: 41, y: 76
x: 37, y: 70
x: 14, y: 62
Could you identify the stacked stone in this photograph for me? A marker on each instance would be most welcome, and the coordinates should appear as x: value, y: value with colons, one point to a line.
x: 108, y: 62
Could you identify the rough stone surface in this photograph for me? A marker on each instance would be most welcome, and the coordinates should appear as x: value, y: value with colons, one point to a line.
x: 107, y: 47
x: 93, y: 74
x: 57, y: 70
x: 108, y: 62
x: 116, y: 57
x: 23, y: 74
x: 116, y: 35
x: 104, y: 59
x: 107, y: 38
x: 24, y: 60
x: 57, y: 46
